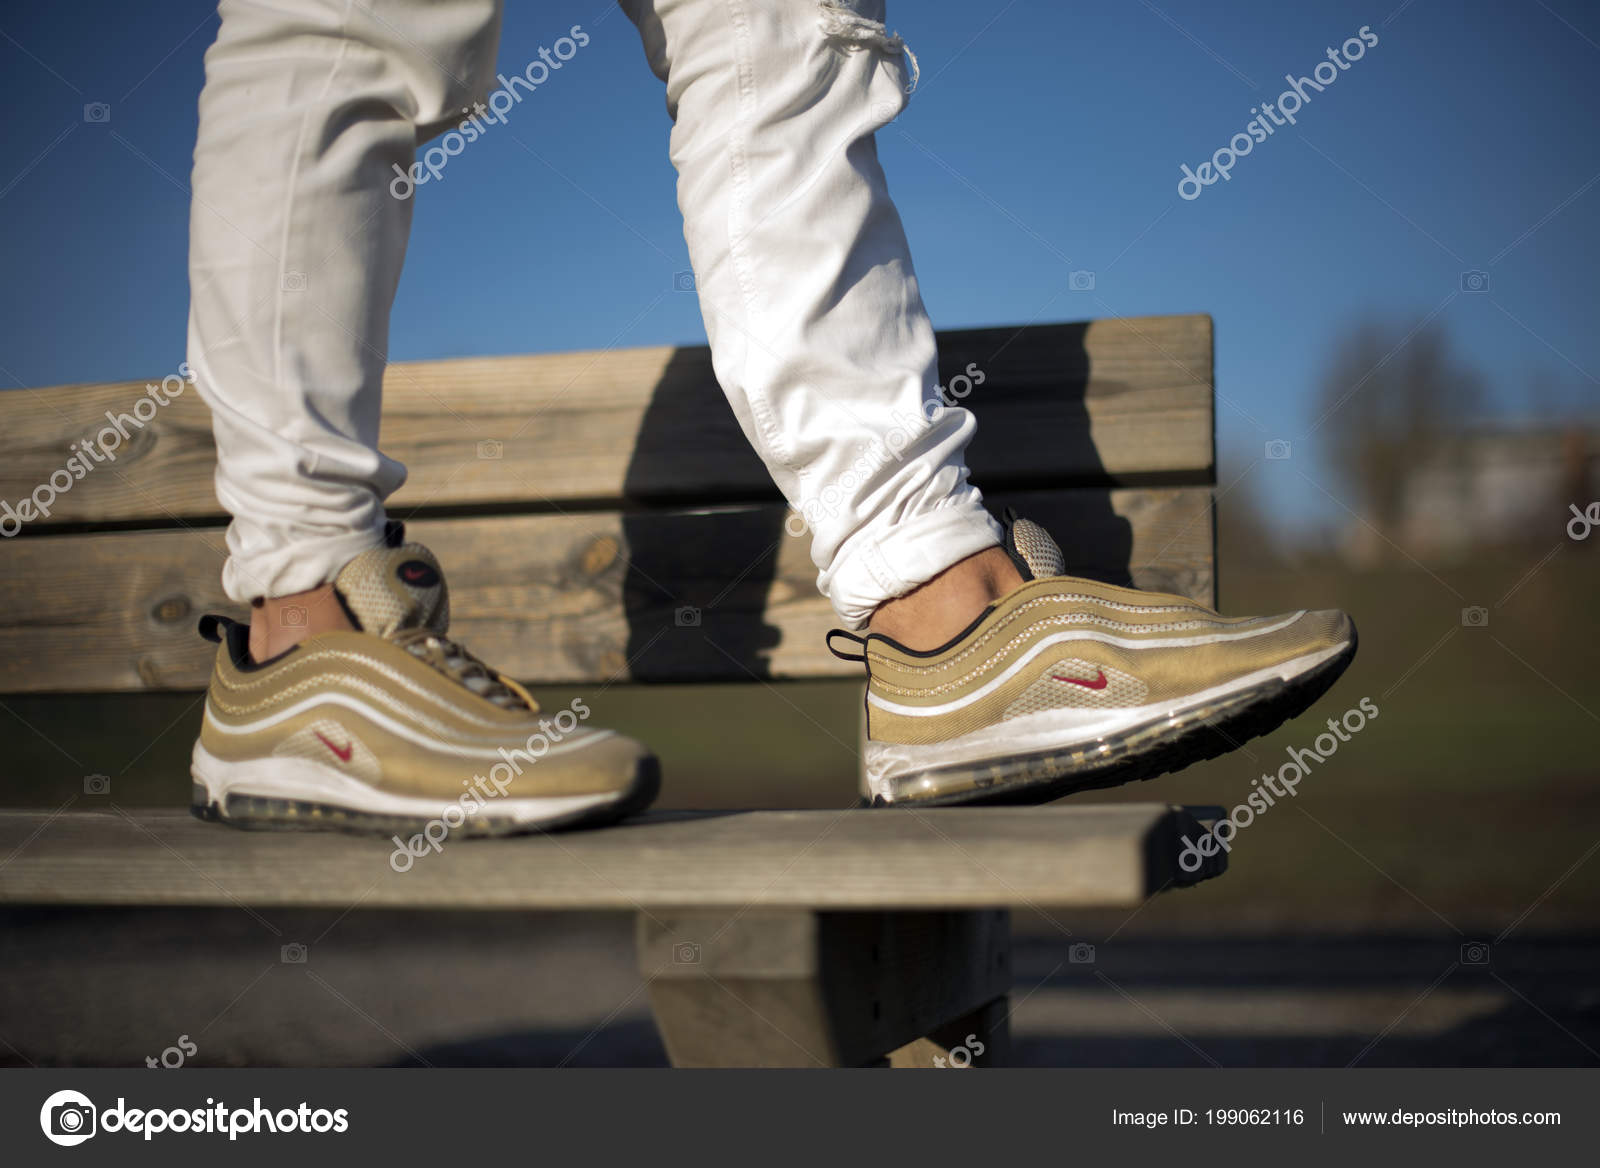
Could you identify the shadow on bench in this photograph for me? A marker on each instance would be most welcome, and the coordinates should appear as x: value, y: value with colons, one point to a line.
x: 603, y: 520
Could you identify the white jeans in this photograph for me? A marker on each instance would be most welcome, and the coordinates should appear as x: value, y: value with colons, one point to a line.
x: 817, y: 329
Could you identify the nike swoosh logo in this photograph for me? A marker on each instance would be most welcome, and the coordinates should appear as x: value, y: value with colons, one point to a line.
x: 344, y: 752
x: 1099, y: 681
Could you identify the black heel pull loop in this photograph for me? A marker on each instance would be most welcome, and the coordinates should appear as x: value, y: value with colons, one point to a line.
x: 849, y: 636
x: 213, y: 627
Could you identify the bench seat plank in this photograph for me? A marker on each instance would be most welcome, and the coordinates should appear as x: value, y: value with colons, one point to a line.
x: 960, y: 858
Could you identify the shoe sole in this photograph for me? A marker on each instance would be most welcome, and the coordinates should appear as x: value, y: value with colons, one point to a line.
x: 256, y: 796
x: 1171, y: 742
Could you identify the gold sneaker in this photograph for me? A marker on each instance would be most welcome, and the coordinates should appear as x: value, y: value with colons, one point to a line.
x: 1068, y: 684
x: 396, y: 728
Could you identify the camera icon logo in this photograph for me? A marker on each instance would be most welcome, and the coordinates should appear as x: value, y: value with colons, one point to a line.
x: 97, y: 112
x: 1475, y: 953
x: 1080, y: 281
x: 97, y: 784
x: 1475, y: 617
x: 294, y: 953
x: 491, y: 450
x: 294, y: 281
x: 687, y: 617
x: 683, y: 282
x: 686, y: 953
x: 292, y: 616
x: 1279, y: 449
x: 884, y: 112
x: 67, y: 1118
x: 1081, y: 954
x: 1474, y: 281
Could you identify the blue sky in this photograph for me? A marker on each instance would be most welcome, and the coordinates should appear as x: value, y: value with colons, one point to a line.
x: 1044, y: 139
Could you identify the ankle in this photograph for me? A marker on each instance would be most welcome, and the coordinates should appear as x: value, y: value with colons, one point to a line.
x: 933, y: 613
x: 279, y: 623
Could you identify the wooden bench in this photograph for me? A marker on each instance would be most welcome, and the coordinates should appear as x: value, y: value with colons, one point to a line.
x: 602, y: 519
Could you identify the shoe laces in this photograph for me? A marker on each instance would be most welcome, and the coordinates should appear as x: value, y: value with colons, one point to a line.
x: 451, y: 659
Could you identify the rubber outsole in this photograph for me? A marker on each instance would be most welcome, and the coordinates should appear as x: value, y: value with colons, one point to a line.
x: 1047, y: 777
x: 257, y: 813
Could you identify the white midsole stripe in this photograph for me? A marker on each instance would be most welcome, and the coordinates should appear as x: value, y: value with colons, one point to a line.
x: 290, y: 672
x: 306, y: 780
x: 400, y: 729
x: 1062, y: 729
x: 1021, y: 663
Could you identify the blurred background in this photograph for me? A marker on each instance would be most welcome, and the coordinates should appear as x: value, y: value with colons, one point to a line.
x: 1408, y: 428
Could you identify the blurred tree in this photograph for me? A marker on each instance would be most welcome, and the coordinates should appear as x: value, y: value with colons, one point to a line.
x: 1391, y: 400
x: 1246, y: 537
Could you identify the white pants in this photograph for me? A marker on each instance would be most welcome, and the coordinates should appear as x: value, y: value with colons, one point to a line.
x: 817, y: 329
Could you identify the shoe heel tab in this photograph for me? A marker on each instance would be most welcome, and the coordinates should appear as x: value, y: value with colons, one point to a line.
x: 214, y: 627
x: 850, y: 637
x: 225, y: 631
x: 1008, y: 544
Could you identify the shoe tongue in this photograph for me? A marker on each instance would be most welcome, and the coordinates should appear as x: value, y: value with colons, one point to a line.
x: 1030, y: 547
x: 398, y: 587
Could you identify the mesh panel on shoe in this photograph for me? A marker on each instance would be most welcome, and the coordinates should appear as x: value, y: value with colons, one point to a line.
x: 325, y: 737
x: 1116, y: 691
x: 1171, y: 673
x: 399, y: 593
x: 389, y: 588
x: 1037, y: 549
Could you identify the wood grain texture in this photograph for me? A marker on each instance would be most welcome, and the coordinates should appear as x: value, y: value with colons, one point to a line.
x: 1105, y: 402
x: 1108, y: 855
x: 585, y: 597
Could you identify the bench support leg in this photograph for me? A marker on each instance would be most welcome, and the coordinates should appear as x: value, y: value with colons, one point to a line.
x: 791, y: 987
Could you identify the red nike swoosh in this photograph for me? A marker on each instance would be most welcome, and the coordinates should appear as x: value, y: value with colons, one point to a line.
x: 344, y: 753
x: 1099, y: 681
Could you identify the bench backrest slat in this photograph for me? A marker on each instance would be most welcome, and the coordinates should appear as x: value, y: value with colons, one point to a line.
x: 1102, y: 431
x: 1112, y: 401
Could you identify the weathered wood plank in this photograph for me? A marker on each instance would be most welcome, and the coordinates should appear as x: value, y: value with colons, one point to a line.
x: 1094, y: 855
x: 1109, y: 401
x: 660, y: 595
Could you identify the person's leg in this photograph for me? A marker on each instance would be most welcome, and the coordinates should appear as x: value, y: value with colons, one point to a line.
x: 817, y: 328
x: 991, y: 674
x: 296, y: 245
x: 345, y: 703
x: 930, y: 614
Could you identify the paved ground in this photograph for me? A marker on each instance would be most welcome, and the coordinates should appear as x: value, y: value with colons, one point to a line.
x: 513, y: 990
